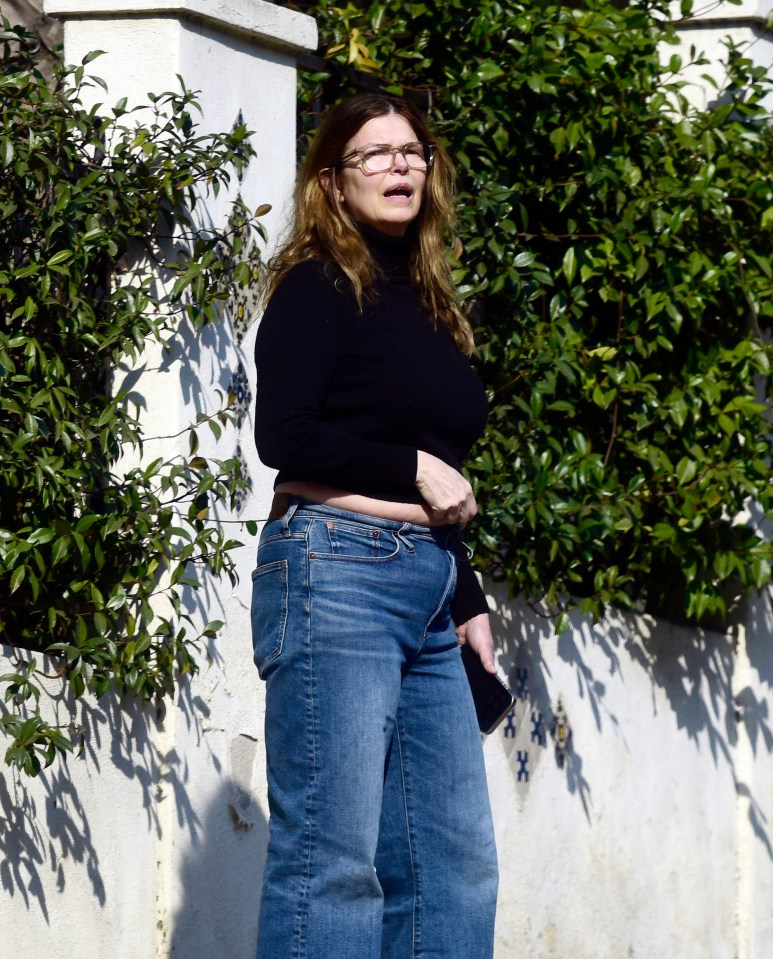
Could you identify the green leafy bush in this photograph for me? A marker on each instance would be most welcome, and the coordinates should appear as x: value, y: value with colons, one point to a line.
x: 616, y: 252
x: 97, y: 545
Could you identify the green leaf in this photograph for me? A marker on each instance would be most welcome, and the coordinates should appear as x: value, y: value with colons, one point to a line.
x: 487, y: 70
x: 17, y: 578
x: 569, y: 265
x: 686, y: 469
x: 63, y: 256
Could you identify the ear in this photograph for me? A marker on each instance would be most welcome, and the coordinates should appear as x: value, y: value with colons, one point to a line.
x: 330, y: 183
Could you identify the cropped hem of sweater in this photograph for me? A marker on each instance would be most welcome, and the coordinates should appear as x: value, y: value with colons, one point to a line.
x: 346, y: 398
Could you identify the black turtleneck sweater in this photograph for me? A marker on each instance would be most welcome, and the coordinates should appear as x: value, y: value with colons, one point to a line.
x: 346, y: 398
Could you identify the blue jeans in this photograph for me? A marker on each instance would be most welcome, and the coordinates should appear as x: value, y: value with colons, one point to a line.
x: 380, y: 837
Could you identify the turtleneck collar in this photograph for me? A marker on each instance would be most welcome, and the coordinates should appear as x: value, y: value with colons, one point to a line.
x: 391, y: 253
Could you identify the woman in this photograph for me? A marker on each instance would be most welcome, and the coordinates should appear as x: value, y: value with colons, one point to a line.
x: 381, y: 844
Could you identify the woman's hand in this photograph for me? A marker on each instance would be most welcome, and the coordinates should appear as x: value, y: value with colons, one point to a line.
x: 476, y: 632
x: 445, y: 491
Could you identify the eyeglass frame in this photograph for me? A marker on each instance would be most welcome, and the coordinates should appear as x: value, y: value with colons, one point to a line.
x: 429, y: 153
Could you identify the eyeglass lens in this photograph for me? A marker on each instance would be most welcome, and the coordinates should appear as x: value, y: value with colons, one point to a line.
x: 380, y: 158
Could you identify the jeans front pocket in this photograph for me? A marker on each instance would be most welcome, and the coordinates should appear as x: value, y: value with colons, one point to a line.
x: 269, y: 613
x: 355, y: 542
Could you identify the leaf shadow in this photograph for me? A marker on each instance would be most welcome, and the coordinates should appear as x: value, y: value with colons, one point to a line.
x: 47, y: 821
x: 696, y: 675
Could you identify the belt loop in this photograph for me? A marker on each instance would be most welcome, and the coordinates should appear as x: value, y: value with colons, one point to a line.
x: 287, y: 518
x: 406, y: 542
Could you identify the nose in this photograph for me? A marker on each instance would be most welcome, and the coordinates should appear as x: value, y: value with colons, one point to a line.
x: 399, y: 162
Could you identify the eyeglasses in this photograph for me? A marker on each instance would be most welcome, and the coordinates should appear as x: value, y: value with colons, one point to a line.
x: 380, y: 157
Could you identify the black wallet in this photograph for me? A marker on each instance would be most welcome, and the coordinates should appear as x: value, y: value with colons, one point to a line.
x: 493, y: 698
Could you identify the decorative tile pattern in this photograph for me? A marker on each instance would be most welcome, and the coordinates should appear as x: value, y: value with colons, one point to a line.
x: 561, y: 733
x: 244, y: 301
x: 524, y: 733
x: 521, y: 687
x: 240, y: 152
x: 523, y: 766
x: 244, y: 494
x: 241, y: 311
x: 537, y: 728
x: 239, y: 390
x: 509, y: 730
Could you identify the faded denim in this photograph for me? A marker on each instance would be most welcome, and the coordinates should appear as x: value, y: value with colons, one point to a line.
x: 380, y: 837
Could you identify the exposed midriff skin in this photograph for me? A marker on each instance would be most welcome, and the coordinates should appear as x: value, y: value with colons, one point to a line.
x: 476, y: 631
x: 357, y: 503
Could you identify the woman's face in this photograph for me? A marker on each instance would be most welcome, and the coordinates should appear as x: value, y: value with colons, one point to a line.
x: 388, y: 201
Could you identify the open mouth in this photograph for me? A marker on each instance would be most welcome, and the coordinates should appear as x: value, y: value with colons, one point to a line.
x: 401, y: 190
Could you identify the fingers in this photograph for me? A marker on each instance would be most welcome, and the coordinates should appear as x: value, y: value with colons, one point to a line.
x: 486, y: 655
x: 477, y: 633
x: 447, y: 493
x: 461, y: 513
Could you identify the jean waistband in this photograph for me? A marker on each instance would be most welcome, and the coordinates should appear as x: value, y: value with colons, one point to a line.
x: 448, y: 537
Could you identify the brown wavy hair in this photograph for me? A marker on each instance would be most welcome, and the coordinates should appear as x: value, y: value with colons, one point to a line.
x: 322, y: 228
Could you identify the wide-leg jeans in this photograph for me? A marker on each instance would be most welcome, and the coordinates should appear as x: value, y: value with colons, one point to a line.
x: 380, y: 836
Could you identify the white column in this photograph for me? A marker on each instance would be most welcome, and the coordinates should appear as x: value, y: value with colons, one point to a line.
x: 707, y: 28
x: 152, y: 843
x: 239, y: 53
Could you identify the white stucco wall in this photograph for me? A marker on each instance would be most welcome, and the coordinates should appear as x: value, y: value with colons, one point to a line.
x: 652, y: 840
x: 630, y: 849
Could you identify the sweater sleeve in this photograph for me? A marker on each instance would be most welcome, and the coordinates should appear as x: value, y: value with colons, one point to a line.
x: 469, y: 599
x: 299, y: 340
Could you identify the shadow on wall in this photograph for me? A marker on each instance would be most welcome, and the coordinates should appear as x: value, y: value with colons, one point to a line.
x: 219, y: 880
x: 695, y: 672
x: 753, y: 712
x: 42, y: 825
x: 52, y: 821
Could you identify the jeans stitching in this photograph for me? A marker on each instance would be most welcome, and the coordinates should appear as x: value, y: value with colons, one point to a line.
x: 442, y: 603
x: 411, y: 835
x: 351, y: 558
x: 279, y: 567
x: 310, y: 810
